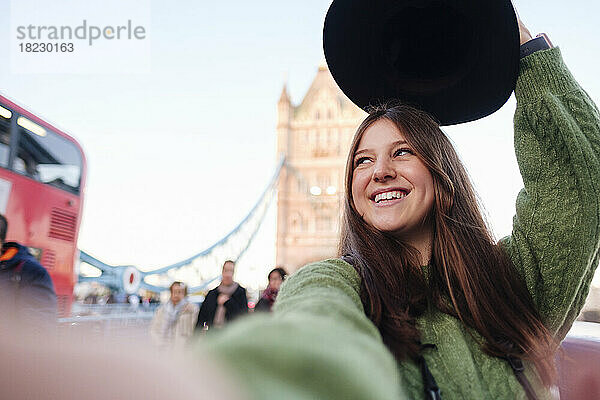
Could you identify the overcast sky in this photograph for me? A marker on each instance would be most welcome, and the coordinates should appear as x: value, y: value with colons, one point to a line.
x: 180, y: 146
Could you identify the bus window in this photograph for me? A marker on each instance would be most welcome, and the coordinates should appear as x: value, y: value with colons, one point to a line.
x: 48, y: 158
x: 4, y: 136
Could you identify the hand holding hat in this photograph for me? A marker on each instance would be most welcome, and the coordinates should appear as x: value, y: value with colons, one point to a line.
x: 457, y: 60
x: 524, y: 34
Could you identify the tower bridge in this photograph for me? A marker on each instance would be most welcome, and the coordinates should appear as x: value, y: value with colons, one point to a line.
x: 202, y: 268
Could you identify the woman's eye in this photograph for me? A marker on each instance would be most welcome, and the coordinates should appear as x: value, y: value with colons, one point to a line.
x: 361, y: 160
x: 402, y: 152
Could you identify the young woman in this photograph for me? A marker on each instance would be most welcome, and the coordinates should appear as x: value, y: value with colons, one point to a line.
x: 420, y: 274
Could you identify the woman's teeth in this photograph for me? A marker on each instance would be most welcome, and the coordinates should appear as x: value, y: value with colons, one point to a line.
x: 389, y: 195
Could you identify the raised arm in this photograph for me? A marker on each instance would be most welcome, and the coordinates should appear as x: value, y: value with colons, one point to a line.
x: 555, y: 237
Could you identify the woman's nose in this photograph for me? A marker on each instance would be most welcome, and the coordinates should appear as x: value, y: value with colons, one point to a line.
x: 383, y: 171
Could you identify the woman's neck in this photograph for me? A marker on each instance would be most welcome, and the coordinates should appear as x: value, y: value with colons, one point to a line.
x: 425, y: 251
x: 421, y: 240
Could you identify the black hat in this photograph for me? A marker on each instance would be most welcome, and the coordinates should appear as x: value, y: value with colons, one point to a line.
x: 456, y: 59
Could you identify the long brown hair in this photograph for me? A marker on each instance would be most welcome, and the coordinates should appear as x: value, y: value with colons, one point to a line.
x: 469, y: 275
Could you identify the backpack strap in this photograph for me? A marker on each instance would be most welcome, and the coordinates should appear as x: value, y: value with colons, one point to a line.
x: 432, y: 390
x: 517, y: 366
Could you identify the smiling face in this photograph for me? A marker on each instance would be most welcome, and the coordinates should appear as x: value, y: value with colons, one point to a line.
x: 392, y: 189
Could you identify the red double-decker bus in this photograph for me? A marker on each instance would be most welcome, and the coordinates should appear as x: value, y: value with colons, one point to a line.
x: 42, y: 176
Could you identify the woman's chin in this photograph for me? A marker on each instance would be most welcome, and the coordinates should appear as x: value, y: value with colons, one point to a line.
x: 389, y: 227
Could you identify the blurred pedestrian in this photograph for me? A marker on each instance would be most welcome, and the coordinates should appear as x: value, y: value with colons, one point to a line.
x: 223, y: 303
x: 276, y: 278
x: 27, y: 294
x: 174, y: 322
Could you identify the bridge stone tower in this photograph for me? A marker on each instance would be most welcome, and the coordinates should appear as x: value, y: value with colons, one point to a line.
x: 314, y: 137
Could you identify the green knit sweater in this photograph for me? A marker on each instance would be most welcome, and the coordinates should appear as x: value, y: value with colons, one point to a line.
x: 319, y: 344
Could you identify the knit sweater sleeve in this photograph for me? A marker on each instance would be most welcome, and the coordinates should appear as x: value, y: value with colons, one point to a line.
x: 317, y: 343
x: 555, y: 236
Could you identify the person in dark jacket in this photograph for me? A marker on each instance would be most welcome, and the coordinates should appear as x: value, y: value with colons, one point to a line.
x: 276, y: 278
x: 223, y: 303
x: 27, y: 294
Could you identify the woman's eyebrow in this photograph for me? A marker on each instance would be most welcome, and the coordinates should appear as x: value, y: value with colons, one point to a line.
x: 399, y: 142
x: 361, y: 151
